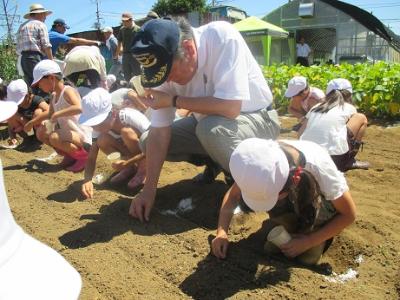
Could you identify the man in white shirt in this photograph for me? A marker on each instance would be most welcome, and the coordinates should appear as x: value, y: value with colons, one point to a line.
x: 211, y: 72
x: 303, y: 52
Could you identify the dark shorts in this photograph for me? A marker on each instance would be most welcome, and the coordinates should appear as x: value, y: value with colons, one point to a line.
x: 342, y: 161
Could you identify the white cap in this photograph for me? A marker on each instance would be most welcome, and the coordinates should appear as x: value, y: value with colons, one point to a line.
x: 96, y: 106
x: 295, y: 86
x: 16, y: 91
x: 43, y: 68
x: 1, y: 81
x: 7, y: 110
x: 107, y: 29
x: 339, y: 84
x: 110, y: 80
x: 260, y: 169
x: 28, y: 268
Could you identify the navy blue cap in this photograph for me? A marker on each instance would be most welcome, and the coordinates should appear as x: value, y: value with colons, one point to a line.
x: 154, y: 47
x: 60, y: 22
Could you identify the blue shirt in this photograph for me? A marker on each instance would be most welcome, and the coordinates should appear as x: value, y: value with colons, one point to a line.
x: 56, y: 39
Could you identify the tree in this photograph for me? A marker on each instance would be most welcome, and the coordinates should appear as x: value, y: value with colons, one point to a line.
x: 177, y: 7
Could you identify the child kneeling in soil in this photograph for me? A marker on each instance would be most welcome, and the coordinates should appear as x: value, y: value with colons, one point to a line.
x: 116, y: 131
x: 299, y: 186
x: 31, y: 110
x: 67, y: 138
x: 335, y: 125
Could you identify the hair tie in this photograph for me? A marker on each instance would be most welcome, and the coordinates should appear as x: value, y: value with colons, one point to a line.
x: 297, y: 175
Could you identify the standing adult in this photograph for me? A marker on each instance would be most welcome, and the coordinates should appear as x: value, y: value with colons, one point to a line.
x: 33, y: 42
x: 112, y: 44
x: 303, y: 52
x: 57, y: 37
x: 211, y: 72
x: 130, y: 65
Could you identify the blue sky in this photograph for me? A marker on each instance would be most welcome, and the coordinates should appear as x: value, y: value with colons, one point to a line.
x: 80, y: 15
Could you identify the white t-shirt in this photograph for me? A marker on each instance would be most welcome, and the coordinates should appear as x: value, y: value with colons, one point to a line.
x: 134, y: 118
x: 315, y: 93
x: 318, y: 162
x: 303, y: 50
x: 329, y: 129
x: 226, y: 70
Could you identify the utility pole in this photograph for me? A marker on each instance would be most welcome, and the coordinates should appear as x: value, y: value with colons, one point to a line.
x: 9, y: 20
x: 97, y: 14
x: 97, y: 24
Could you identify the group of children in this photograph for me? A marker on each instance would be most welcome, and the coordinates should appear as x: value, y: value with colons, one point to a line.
x: 69, y: 120
x: 299, y: 183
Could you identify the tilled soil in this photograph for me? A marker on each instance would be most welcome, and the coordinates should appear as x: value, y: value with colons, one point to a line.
x: 169, y: 257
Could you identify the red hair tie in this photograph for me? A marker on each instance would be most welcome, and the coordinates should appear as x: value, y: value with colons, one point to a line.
x: 296, y: 176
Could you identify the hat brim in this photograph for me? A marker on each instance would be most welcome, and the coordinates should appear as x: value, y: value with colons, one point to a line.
x: 48, y: 12
x: 290, y: 94
x: 260, y: 206
x: 45, y: 274
x: 126, y: 19
x: 18, y: 101
x: 7, y: 110
x: 95, y: 120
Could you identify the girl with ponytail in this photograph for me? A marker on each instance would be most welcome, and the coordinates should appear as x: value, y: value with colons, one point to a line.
x: 299, y: 186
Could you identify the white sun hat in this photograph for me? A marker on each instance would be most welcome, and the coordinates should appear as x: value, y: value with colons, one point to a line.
x: 16, y: 91
x: 96, y: 106
x: 339, y: 84
x: 28, y: 268
x: 43, y: 68
x: 7, y: 110
x: 295, y: 86
x: 260, y: 169
x: 37, y: 9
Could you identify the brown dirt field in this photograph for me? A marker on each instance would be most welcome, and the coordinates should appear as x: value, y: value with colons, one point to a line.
x: 168, y: 258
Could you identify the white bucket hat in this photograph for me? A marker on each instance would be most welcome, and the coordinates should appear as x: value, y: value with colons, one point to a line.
x: 7, y: 110
x: 295, y: 86
x: 339, y: 84
x: 107, y: 29
x: 96, y: 106
x: 28, y: 268
x: 16, y: 91
x: 43, y: 68
x: 260, y: 169
x: 37, y: 9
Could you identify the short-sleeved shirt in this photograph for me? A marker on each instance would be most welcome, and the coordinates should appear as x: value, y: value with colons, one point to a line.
x: 303, y: 50
x: 56, y: 39
x: 226, y: 70
x: 32, y: 36
x: 126, y: 36
x: 318, y: 162
x: 28, y: 112
x: 315, y: 94
x: 329, y: 129
x: 133, y: 118
x: 112, y: 44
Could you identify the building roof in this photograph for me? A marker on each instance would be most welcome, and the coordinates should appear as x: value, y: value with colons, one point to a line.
x: 253, y: 26
x: 368, y: 20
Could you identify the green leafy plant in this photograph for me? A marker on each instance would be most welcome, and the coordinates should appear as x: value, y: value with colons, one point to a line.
x: 8, y: 59
x: 376, y: 87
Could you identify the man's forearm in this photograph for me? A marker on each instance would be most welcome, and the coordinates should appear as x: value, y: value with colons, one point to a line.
x: 210, y: 106
x: 48, y: 53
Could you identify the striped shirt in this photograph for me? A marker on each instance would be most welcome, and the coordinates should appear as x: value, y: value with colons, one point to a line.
x: 32, y: 36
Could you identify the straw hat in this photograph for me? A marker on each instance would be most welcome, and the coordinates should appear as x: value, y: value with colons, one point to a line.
x: 37, y: 9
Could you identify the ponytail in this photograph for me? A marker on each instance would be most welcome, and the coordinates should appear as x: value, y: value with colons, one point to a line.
x: 305, y: 195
